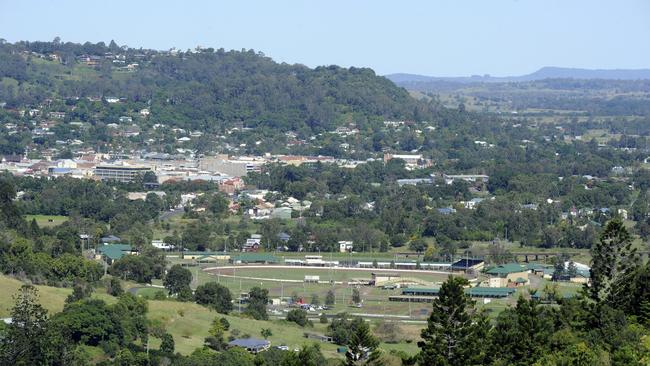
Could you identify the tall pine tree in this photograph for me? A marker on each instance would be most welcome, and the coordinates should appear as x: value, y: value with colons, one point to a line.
x: 362, y: 342
x: 455, y: 333
x: 613, y: 267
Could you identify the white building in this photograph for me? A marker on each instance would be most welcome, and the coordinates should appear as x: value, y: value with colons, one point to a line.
x: 345, y: 246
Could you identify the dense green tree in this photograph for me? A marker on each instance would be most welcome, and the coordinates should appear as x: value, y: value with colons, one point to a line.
x: 330, y: 298
x: 26, y: 340
x: 216, y: 339
x: 167, y: 343
x: 356, y: 296
x: 257, y: 301
x: 114, y: 287
x: 309, y: 355
x: 454, y: 330
x: 613, y: 266
x: 361, y: 342
x: 80, y: 291
x: 177, y: 278
x: 137, y: 268
x: 522, y: 335
x: 299, y: 317
x: 215, y: 296
x: 418, y: 245
x: 266, y: 333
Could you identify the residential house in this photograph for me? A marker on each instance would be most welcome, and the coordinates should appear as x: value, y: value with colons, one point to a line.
x: 252, y: 244
x: 471, y: 204
x: 345, y: 246
x: 112, y: 252
x: 446, y: 210
x: 252, y: 345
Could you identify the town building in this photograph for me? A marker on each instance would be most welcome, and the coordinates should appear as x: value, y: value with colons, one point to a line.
x: 121, y: 173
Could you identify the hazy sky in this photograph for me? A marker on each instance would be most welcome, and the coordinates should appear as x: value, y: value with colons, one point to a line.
x: 441, y: 38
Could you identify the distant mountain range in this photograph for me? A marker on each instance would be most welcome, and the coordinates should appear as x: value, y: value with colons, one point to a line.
x: 543, y: 73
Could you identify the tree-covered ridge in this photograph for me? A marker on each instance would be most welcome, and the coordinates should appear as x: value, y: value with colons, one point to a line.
x: 207, y: 89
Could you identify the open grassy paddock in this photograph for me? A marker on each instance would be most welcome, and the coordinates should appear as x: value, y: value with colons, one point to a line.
x: 46, y: 220
x: 189, y: 323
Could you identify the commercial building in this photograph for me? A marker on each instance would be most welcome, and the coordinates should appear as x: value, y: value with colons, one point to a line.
x: 121, y: 173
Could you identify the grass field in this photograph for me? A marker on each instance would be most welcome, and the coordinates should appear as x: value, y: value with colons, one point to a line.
x: 188, y: 323
x: 326, y: 274
x: 46, y: 220
x: 52, y: 298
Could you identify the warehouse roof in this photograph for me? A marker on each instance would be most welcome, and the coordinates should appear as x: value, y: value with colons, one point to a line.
x: 472, y: 291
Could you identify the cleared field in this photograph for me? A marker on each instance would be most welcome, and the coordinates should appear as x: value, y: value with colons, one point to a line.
x: 52, y: 298
x: 298, y: 273
x: 188, y: 323
x: 46, y: 220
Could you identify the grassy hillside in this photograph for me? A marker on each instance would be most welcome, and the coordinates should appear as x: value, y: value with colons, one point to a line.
x: 52, y: 298
x: 189, y: 323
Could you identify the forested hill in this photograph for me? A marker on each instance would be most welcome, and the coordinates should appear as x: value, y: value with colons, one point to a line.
x: 203, y: 89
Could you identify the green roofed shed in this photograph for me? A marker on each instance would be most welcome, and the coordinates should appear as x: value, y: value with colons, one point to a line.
x: 505, y: 269
x: 113, y: 252
x: 493, y: 292
x: 254, y: 258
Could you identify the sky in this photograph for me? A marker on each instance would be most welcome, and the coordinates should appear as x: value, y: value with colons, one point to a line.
x: 437, y: 38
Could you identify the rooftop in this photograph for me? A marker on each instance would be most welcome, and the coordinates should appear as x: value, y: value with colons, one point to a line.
x: 255, y: 257
x: 507, y: 268
x: 249, y: 343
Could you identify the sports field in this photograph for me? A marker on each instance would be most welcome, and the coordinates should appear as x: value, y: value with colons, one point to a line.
x: 298, y: 273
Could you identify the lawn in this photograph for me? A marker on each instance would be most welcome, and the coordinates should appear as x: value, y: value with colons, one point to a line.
x: 46, y: 220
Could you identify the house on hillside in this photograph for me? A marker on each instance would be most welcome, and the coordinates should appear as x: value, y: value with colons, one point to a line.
x: 284, y: 237
x: 110, y: 253
x: 446, y: 210
x: 252, y: 345
x: 252, y: 244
